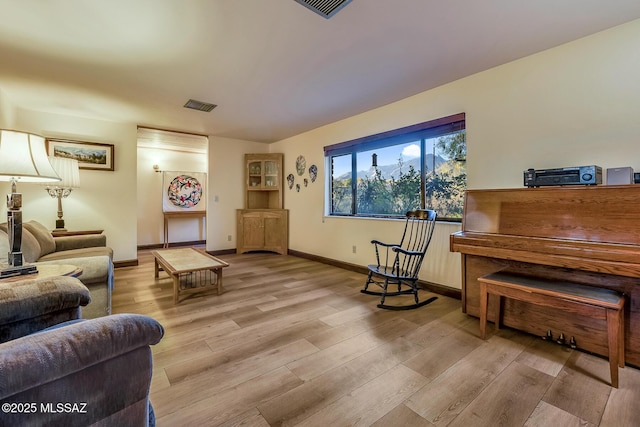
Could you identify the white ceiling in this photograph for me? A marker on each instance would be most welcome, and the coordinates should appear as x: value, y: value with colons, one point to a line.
x: 274, y: 68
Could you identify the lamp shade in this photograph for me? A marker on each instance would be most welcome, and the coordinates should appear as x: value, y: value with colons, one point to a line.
x: 23, y: 156
x: 67, y: 170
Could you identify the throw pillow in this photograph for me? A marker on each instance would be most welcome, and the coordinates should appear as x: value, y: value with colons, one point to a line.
x: 42, y: 235
x: 4, y: 246
x: 30, y: 247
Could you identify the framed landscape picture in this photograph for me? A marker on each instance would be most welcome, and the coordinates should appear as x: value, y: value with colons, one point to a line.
x: 90, y: 155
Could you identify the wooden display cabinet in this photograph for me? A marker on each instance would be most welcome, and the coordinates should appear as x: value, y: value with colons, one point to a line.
x: 263, y: 230
x: 263, y: 225
x: 263, y: 187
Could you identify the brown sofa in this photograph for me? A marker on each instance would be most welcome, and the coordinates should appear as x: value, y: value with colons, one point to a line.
x: 76, y: 373
x: 89, y: 252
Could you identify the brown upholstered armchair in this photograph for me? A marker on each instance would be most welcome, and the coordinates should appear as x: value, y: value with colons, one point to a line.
x: 75, y: 373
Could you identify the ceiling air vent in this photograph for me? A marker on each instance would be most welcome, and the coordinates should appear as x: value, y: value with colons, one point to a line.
x: 201, y: 106
x: 325, y: 8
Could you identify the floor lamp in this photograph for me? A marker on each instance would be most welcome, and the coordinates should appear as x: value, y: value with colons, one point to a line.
x: 69, y: 173
x: 23, y: 157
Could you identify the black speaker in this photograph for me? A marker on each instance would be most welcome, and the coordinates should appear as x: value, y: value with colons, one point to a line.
x: 636, y: 177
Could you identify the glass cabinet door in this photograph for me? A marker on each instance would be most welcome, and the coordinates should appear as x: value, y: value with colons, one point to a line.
x: 263, y: 181
x: 255, y: 174
x: 270, y: 173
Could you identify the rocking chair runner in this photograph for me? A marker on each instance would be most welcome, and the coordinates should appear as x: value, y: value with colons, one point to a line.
x: 399, y: 263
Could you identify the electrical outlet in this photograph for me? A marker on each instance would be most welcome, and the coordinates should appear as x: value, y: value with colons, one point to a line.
x: 354, y: 249
x: 229, y: 238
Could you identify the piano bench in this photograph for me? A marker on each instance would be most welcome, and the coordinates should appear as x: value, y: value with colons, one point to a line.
x: 597, y: 303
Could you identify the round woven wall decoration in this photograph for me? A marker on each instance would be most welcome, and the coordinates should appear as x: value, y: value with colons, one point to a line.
x: 184, y: 191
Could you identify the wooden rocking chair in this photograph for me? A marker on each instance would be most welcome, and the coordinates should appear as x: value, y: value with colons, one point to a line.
x: 399, y: 263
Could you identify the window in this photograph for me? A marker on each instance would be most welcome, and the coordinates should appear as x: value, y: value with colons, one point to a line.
x: 388, y: 174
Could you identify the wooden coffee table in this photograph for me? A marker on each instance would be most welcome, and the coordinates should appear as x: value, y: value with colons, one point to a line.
x: 192, y: 270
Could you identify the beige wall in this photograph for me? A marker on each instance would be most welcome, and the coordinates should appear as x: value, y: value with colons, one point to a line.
x: 149, y: 182
x: 122, y: 201
x: 572, y: 105
x: 226, y: 181
x: 224, y: 164
x: 7, y: 112
x: 105, y: 199
x: 576, y: 104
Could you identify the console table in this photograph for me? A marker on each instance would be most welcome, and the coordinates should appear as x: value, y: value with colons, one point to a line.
x: 59, y: 233
x: 169, y: 215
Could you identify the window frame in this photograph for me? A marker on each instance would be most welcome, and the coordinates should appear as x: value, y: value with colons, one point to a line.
x: 420, y: 131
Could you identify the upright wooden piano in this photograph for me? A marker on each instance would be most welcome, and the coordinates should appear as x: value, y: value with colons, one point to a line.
x: 589, y: 235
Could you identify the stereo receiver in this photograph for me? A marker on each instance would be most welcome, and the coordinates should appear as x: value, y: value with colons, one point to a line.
x: 579, y: 175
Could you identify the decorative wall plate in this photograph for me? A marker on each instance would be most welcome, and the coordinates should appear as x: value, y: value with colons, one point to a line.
x: 301, y: 165
x: 184, y: 191
x: 290, y: 179
x: 313, y: 172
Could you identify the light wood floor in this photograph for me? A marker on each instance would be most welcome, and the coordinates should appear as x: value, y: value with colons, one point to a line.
x: 294, y: 342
